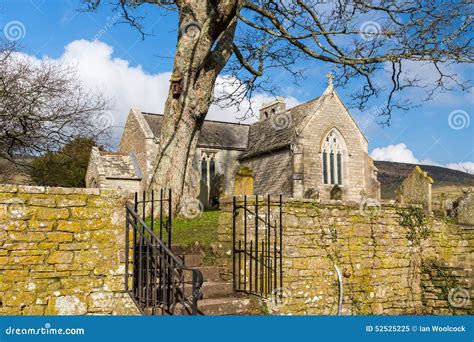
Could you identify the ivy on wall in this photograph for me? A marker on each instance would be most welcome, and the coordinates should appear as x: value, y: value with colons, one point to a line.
x: 415, y: 221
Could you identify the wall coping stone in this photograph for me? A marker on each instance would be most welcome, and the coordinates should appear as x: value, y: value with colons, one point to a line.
x: 31, y: 189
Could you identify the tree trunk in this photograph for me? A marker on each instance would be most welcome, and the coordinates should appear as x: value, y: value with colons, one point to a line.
x: 204, y: 46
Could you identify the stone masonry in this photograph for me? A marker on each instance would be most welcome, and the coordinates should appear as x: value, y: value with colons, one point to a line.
x: 389, y: 268
x: 61, y: 252
x: 306, y: 151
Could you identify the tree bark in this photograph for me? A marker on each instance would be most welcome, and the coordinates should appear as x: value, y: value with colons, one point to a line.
x: 206, y: 32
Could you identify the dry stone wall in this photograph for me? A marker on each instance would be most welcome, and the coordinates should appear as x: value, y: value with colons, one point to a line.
x: 419, y: 266
x: 62, y: 251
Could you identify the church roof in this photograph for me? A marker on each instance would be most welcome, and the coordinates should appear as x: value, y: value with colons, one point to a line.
x: 278, y: 131
x: 119, y: 165
x: 214, y: 134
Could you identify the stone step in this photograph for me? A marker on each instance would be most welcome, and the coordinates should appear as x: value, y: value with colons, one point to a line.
x: 180, y: 250
x: 209, y: 273
x: 192, y: 260
x: 225, y: 306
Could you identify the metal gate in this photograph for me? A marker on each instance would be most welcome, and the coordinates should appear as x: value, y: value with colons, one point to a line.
x: 157, y: 280
x: 257, y: 246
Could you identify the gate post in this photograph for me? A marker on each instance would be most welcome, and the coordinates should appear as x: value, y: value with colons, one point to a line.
x: 233, y: 244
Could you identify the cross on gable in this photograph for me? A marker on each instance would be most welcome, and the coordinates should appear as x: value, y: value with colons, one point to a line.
x: 330, y: 78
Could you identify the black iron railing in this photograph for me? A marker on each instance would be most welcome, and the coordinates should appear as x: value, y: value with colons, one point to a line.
x: 156, y: 279
x: 257, y: 247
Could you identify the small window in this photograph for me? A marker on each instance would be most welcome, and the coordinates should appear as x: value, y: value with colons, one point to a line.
x: 339, y: 169
x: 212, y: 168
x: 204, y: 170
x: 331, y: 162
x: 325, y: 167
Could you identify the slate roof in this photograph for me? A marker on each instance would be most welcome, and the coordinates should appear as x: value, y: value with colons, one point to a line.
x: 214, y: 134
x: 278, y: 131
x: 120, y: 165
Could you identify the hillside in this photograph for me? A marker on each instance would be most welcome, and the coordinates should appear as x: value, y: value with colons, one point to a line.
x: 448, y: 181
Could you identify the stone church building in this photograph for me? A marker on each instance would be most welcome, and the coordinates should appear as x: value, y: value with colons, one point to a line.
x: 313, y: 150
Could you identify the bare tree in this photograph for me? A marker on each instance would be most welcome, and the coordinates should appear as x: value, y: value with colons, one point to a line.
x: 358, y: 38
x: 43, y: 106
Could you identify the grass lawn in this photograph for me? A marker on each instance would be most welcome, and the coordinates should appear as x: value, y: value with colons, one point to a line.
x: 202, y: 229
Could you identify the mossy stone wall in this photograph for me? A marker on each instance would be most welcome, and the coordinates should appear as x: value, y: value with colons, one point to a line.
x: 62, y: 251
x: 389, y: 269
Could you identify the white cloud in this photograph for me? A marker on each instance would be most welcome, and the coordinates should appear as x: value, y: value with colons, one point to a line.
x: 241, y: 113
x: 402, y: 154
x: 397, y: 153
x: 130, y: 86
x: 429, y: 162
x: 465, y: 167
x: 127, y: 86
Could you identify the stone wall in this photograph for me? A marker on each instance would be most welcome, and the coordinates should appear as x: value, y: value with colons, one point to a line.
x: 390, y: 268
x: 62, y: 251
x: 138, y: 138
x: 358, y: 172
x: 226, y: 165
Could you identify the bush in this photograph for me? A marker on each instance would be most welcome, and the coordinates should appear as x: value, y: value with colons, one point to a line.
x: 67, y: 167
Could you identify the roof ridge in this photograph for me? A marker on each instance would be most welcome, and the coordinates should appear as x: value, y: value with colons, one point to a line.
x: 218, y: 121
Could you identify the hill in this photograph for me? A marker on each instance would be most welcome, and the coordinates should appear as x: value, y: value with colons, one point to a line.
x: 448, y: 181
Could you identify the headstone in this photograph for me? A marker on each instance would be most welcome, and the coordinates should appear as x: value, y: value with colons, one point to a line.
x: 243, y: 183
x: 336, y: 192
x: 465, y: 209
x: 416, y: 189
x: 203, y: 193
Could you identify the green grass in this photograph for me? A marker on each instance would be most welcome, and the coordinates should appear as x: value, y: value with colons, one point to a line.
x: 186, y: 232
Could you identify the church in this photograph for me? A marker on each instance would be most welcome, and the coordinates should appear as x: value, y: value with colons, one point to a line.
x: 313, y: 150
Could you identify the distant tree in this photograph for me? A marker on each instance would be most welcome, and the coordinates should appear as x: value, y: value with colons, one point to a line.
x: 43, y: 106
x: 67, y: 167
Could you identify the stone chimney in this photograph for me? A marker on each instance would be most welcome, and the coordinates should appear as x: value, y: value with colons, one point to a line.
x: 271, y: 108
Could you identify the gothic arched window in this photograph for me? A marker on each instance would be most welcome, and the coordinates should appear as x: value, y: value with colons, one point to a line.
x: 333, y: 154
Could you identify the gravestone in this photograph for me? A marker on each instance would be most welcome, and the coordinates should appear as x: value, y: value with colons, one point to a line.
x: 416, y: 189
x: 203, y: 193
x: 336, y: 192
x: 465, y: 209
x: 243, y: 184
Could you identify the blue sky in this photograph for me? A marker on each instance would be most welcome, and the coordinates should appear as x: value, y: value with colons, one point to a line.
x: 134, y: 73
